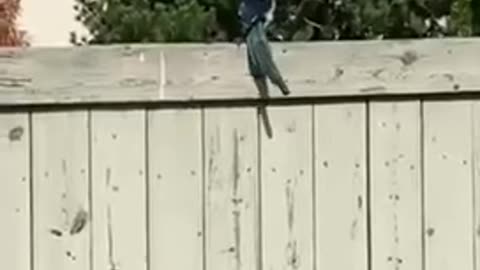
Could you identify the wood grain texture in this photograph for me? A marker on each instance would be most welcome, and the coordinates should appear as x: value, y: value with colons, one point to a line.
x: 476, y: 181
x: 15, y: 191
x: 119, y: 189
x: 340, y: 186
x: 79, y: 74
x: 184, y: 72
x: 321, y: 69
x: 232, y: 206
x: 287, y: 190
x: 448, y: 185
x: 396, y: 185
x: 175, y: 189
x: 60, y: 190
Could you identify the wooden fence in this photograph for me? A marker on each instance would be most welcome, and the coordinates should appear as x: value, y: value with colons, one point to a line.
x: 154, y: 157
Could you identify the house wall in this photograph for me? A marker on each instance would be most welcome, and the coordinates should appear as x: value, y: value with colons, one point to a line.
x: 49, y: 22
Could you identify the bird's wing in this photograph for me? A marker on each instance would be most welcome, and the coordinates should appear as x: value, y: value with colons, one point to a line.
x: 262, y: 57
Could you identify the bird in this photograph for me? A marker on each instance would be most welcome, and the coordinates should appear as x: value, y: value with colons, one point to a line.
x: 255, y: 16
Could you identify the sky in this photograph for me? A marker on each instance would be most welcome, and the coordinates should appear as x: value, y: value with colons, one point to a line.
x: 48, y: 27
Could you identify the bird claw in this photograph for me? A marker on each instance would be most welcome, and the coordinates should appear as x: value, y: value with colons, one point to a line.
x: 238, y: 41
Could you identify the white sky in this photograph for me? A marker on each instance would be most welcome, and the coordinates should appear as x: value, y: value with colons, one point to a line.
x: 48, y: 27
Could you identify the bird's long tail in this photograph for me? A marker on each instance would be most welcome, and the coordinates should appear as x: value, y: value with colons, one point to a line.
x: 260, y: 59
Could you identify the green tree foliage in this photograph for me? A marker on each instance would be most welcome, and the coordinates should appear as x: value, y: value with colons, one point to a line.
x: 475, y: 16
x: 116, y: 21
x: 461, y: 18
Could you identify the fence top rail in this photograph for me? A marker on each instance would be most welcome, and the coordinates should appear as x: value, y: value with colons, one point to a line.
x: 218, y: 72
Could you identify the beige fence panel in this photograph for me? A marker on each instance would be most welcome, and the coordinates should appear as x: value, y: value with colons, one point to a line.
x: 476, y: 181
x: 154, y: 156
x: 287, y: 190
x: 396, y: 185
x: 175, y: 189
x: 232, y: 201
x: 61, y: 203
x: 119, y: 189
x: 15, y: 191
x: 340, y: 186
x: 448, y: 185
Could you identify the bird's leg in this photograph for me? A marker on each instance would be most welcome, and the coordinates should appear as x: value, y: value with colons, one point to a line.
x: 238, y: 41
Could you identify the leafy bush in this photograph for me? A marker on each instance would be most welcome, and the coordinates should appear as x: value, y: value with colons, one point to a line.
x: 116, y: 21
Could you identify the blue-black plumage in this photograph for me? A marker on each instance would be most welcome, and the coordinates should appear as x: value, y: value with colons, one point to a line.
x: 255, y: 16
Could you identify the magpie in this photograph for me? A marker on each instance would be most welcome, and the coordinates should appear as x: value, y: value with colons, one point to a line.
x: 255, y: 16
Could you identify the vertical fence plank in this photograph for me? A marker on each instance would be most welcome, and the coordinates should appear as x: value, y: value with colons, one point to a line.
x: 119, y: 192
x: 175, y: 182
x: 448, y: 185
x: 476, y: 182
x: 232, y: 188
x: 396, y: 185
x: 15, y: 191
x: 287, y: 201
x: 340, y: 181
x: 60, y: 193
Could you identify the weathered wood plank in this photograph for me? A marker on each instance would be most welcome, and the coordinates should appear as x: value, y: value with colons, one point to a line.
x: 175, y: 189
x: 396, y: 185
x: 448, y: 185
x: 15, y: 191
x: 73, y: 75
x: 319, y: 69
x: 476, y: 181
x: 61, y: 190
x: 183, y: 72
x: 340, y: 186
x: 119, y: 189
x: 287, y: 184
x: 232, y: 208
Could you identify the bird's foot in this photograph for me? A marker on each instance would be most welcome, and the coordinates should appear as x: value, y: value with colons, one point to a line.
x: 238, y: 41
x: 285, y: 91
